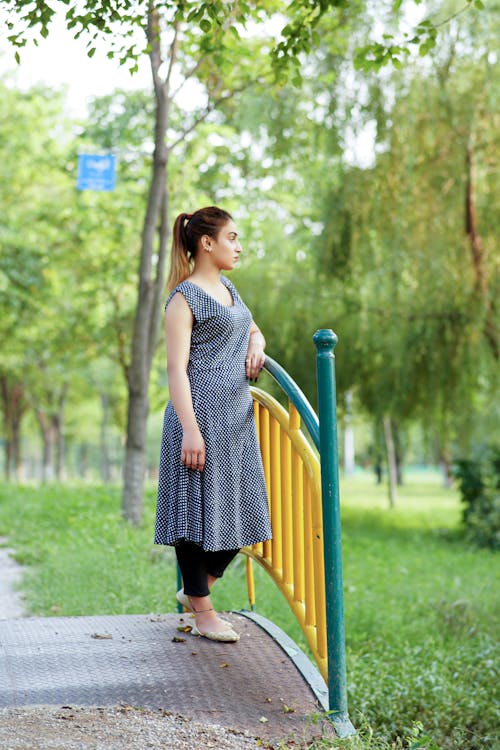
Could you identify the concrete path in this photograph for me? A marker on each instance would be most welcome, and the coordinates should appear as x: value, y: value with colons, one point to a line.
x: 145, y: 660
x: 10, y: 575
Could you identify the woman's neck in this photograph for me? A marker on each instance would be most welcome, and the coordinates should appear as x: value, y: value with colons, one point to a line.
x: 209, y: 274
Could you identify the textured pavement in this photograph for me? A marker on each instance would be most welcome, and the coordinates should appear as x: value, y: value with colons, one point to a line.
x: 144, y: 660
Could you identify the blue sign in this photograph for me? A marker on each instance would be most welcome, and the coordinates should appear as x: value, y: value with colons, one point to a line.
x: 96, y: 172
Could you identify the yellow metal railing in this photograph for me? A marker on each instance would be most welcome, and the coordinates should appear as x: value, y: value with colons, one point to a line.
x: 294, y: 557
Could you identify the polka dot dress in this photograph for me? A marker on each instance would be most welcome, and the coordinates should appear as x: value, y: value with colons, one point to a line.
x: 224, y: 506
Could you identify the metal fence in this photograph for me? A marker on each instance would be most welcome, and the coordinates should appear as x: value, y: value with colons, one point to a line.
x: 304, y: 557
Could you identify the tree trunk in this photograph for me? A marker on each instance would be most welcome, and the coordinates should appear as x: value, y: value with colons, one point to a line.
x: 105, y: 462
x: 4, y: 385
x: 14, y: 406
x: 56, y: 423
x: 57, y: 420
x: 349, y: 460
x: 378, y: 449
x: 478, y: 255
x: 151, y: 283
x: 445, y: 463
x: 135, y: 457
x: 83, y: 460
x: 7, y: 447
x: 398, y: 452
x: 16, y: 446
x: 391, y: 461
x: 48, y: 439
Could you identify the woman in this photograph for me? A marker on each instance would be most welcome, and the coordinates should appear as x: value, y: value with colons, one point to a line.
x: 211, y: 494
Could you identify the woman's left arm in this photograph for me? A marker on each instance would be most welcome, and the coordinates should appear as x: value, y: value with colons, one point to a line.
x: 255, y: 353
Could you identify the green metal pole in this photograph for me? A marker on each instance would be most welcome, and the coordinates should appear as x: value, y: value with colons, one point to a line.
x: 325, y: 341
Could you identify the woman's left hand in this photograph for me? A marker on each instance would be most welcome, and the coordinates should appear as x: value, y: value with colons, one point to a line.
x: 255, y: 358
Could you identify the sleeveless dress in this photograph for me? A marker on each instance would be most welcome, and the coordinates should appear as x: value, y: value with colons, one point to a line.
x: 225, y: 506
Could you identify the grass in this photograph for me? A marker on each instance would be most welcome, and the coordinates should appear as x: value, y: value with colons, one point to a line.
x: 421, y: 605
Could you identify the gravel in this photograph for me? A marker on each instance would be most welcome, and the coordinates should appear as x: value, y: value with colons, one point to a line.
x: 120, y: 728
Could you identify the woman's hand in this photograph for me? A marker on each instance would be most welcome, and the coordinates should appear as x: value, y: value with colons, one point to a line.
x: 193, y: 450
x: 255, y: 358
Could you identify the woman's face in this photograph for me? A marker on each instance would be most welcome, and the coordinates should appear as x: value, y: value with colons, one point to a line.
x: 225, y: 249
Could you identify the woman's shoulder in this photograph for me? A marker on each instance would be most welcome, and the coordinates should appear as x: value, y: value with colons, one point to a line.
x: 185, y: 289
x: 185, y: 283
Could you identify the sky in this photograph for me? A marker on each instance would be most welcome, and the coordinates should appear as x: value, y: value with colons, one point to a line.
x: 62, y: 61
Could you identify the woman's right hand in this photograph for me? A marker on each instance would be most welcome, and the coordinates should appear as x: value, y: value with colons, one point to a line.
x: 193, y: 450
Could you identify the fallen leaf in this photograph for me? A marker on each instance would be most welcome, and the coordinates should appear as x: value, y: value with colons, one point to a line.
x: 184, y: 628
x: 269, y: 700
x: 175, y: 639
x: 223, y: 665
x: 102, y: 636
x: 194, y: 653
x: 288, y: 709
x: 263, y: 720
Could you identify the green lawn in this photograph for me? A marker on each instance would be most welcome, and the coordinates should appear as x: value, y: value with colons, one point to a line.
x: 421, y: 605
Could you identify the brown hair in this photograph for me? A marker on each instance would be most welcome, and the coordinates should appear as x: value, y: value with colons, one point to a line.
x: 187, y: 232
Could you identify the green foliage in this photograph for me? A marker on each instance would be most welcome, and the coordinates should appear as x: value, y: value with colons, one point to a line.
x: 420, y: 603
x: 67, y: 259
x: 299, y: 36
x: 84, y: 557
x: 365, y: 739
x: 377, y: 252
x: 479, y: 483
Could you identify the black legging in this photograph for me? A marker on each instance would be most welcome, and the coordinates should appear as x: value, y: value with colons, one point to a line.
x: 196, y: 564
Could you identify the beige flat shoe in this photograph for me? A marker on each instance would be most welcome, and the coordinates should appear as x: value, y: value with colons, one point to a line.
x: 227, y: 636
x: 183, y: 599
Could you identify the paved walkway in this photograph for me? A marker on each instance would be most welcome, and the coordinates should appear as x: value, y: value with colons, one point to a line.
x: 147, y: 661
x: 144, y: 660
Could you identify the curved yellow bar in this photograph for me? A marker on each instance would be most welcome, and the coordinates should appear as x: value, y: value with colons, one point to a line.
x: 294, y: 558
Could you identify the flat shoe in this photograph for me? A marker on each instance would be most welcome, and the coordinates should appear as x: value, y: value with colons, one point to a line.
x: 227, y: 636
x: 183, y: 599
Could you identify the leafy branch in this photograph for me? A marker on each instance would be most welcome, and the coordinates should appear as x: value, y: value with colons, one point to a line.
x: 424, y: 37
x: 298, y: 36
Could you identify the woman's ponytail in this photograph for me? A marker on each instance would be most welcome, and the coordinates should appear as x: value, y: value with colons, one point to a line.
x: 180, y: 259
x: 186, y: 235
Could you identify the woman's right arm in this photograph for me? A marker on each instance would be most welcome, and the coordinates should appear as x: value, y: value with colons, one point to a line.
x: 178, y: 326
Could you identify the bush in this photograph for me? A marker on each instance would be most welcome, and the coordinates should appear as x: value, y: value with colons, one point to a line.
x: 479, y: 484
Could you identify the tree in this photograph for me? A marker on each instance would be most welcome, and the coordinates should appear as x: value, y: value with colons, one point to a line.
x: 32, y: 168
x: 392, y: 266
x: 156, y: 222
x: 206, y: 51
